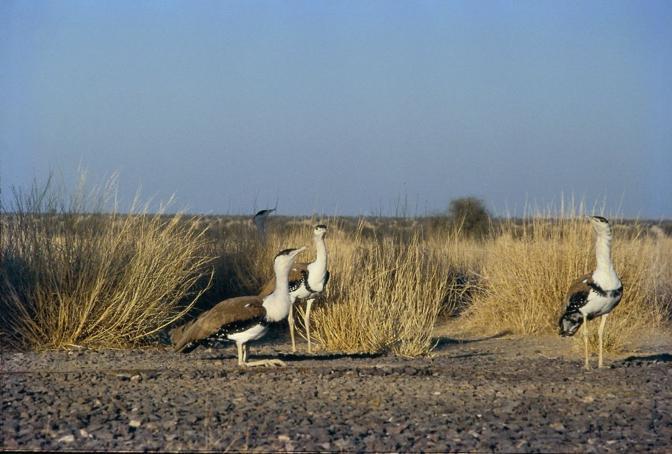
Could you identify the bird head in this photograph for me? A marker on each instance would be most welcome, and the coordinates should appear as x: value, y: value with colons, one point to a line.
x: 320, y: 230
x: 262, y: 214
x: 600, y: 224
x: 285, y: 258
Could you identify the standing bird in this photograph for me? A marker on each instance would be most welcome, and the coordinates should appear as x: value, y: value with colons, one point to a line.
x: 306, y: 281
x: 593, y: 295
x: 242, y: 319
x: 259, y: 220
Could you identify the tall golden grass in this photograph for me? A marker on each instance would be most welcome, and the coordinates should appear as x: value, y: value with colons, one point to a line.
x: 70, y: 277
x: 390, y: 283
x: 112, y: 280
x: 529, y: 266
x: 384, y: 296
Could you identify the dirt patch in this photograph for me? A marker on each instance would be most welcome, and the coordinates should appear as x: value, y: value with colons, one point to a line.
x: 503, y: 393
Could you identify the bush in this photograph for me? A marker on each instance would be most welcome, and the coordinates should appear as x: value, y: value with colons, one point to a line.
x: 470, y: 214
x: 384, y: 295
x: 72, y: 276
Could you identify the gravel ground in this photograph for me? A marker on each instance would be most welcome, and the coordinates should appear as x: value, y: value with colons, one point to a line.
x: 502, y: 394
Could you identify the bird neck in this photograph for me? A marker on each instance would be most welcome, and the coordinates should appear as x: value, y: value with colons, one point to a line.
x: 319, y: 267
x: 277, y: 304
x: 260, y: 223
x: 604, y: 274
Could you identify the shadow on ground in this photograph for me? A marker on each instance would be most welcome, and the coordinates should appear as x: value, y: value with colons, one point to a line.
x: 445, y: 341
x: 297, y: 357
x: 662, y: 358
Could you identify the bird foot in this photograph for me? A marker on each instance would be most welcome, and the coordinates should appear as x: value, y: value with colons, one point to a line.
x: 266, y: 363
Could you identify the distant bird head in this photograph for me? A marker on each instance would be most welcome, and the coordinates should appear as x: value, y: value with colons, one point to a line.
x: 600, y: 224
x: 320, y: 230
x: 570, y: 323
x: 261, y: 215
x: 285, y: 258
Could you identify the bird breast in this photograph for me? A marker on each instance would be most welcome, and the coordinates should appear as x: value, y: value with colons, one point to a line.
x: 301, y: 292
x: 277, y: 307
x: 600, y: 304
x: 316, y: 281
x: 253, y: 333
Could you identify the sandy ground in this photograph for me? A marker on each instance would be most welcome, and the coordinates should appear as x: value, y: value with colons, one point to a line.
x: 502, y: 393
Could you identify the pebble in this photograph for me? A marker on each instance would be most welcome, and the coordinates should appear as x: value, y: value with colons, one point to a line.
x: 492, y: 403
x: 66, y: 439
x: 557, y: 426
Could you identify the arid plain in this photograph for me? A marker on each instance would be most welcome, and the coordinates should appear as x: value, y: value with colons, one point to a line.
x: 428, y: 338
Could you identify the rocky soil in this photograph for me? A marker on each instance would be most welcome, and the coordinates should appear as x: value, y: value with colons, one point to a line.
x: 497, y: 394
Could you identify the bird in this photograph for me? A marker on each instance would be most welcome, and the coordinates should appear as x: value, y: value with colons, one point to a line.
x: 306, y: 281
x: 242, y: 319
x: 259, y: 220
x: 595, y: 294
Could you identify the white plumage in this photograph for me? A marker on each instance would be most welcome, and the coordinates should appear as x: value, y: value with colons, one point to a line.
x: 593, y: 295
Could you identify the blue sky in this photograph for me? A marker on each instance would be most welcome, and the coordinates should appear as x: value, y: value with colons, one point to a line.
x: 343, y: 107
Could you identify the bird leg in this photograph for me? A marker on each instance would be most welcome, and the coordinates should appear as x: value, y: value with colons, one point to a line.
x: 241, y: 359
x: 600, y: 330
x: 585, y: 339
x: 290, y: 319
x: 306, y: 322
x: 266, y: 363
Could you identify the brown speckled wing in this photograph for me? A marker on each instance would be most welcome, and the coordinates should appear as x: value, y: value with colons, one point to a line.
x: 578, y: 293
x: 233, y: 310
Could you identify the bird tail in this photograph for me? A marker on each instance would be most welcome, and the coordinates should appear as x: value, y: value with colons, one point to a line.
x: 570, y: 322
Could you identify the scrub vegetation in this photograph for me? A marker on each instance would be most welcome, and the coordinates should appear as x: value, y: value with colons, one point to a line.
x: 529, y: 265
x: 72, y: 274
x: 77, y: 272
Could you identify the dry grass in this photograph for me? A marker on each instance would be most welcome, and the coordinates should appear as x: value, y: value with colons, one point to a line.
x: 114, y: 280
x: 384, y: 294
x: 529, y: 267
x: 94, y: 280
x: 389, y: 283
x: 243, y: 263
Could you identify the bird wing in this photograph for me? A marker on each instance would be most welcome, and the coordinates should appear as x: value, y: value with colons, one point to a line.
x: 295, y: 276
x: 577, y: 295
x: 233, y: 310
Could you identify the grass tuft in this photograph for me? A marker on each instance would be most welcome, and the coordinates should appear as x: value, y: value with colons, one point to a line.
x: 71, y: 276
x: 529, y: 266
x: 385, y: 294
